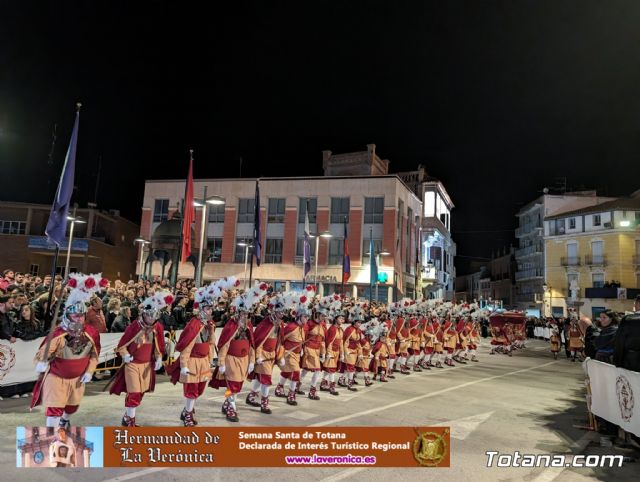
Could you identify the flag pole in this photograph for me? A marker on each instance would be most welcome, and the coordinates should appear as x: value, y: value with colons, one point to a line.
x: 174, y: 274
x: 371, y: 261
x: 71, y: 153
x: 343, y: 259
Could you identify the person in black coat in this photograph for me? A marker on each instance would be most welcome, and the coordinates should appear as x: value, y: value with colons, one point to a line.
x: 604, y: 342
x: 626, y: 352
x: 7, y: 328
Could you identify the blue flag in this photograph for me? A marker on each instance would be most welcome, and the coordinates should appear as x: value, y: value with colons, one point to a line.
x: 373, y: 279
x: 307, y: 246
x: 257, y: 245
x: 57, y: 224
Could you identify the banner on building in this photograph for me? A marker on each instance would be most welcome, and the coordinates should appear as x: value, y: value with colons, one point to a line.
x: 615, y: 395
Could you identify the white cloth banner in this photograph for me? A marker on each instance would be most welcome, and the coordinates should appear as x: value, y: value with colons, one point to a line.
x: 16, y: 359
x: 615, y: 395
x: 17, y: 364
x: 546, y: 333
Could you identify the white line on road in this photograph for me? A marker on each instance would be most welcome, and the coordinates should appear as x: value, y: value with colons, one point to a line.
x: 552, y: 473
x: 342, y: 475
x: 427, y: 395
x: 134, y: 475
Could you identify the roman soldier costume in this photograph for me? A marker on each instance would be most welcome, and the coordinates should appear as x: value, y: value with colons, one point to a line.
x: 236, y: 350
x: 352, y: 348
x: 265, y: 338
x: 292, y: 342
x: 197, y: 347
x: 71, y: 357
x: 334, y: 349
x: 315, y: 334
x: 141, y: 348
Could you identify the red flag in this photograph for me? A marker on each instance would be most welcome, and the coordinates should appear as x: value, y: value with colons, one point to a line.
x: 189, y: 214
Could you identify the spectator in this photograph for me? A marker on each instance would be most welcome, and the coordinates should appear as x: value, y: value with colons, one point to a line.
x: 7, y: 329
x: 626, y: 352
x: 95, y: 316
x: 179, y: 313
x: 605, y: 341
x: 8, y: 278
x: 44, y: 287
x: 122, y: 321
x: 590, y: 333
x: 113, y: 310
x: 28, y: 327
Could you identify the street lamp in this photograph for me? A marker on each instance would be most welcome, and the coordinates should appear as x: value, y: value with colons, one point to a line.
x: 246, y: 247
x: 547, y: 289
x: 204, y: 204
x: 142, y: 242
x: 326, y: 235
x: 74, y: 219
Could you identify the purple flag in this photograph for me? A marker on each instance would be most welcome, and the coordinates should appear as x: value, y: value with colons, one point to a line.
x: 57, y: 224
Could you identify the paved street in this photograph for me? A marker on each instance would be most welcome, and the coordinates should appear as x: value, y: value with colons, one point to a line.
x: 529, y: 403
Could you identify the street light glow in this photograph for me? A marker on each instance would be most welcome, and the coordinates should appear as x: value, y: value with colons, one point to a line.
x: 326, y: 234
x: 625, y: 224
x: 77, y: 220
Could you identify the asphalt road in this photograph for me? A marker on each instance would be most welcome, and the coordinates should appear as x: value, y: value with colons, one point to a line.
x: 528, y: 402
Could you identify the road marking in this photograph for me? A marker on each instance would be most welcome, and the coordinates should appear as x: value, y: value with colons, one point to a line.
x: 426, y: 395
x: 301, y: 415
x: 553, y: 473
x: 463, y: 427
x: 133, y: 475
x: 343, y: 475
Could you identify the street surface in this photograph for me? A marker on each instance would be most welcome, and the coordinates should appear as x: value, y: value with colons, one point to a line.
x: 528, y: 402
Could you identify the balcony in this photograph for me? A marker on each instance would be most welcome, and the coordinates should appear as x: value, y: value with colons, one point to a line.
x: 595, y: 260
x: 610, y: 293
x: 527, y: 229
x: 636, y: 260
x: 528, y: 251
x: 529, y: 274
x: 568, y: 261
x: 529, y: 297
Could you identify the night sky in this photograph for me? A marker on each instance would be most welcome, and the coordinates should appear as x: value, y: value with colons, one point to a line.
x: 496, y: 99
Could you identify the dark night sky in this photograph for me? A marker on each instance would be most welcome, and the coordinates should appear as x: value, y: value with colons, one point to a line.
x: 497, y: 99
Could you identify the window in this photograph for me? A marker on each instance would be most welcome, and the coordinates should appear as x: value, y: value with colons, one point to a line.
x: 273, y: 253
x: 373, y: 210
x: 245, y: 210
x: 400, y: 210
x: 240, y: 250
x: 597, y: 221
x: 637, y: 215
x: 13, y: 227
x: 312, y: 202
x: 336, y: 251
x: 339, y: 209
x: 216, y: 213
x: 559, y: 226
x: 276, y: 210
x: 160, y: 210
x: 214, y: 246
x: 597, y: 279
x: 34, y: 269
x: 572, y: 223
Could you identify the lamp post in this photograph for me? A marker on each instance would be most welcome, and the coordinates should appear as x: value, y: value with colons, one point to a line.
x: 326, y: 235
x: 74, y: 219
x: 142, y: 242
x: 246, y: 246
x: 547, y: 289
x: 204, y: 204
